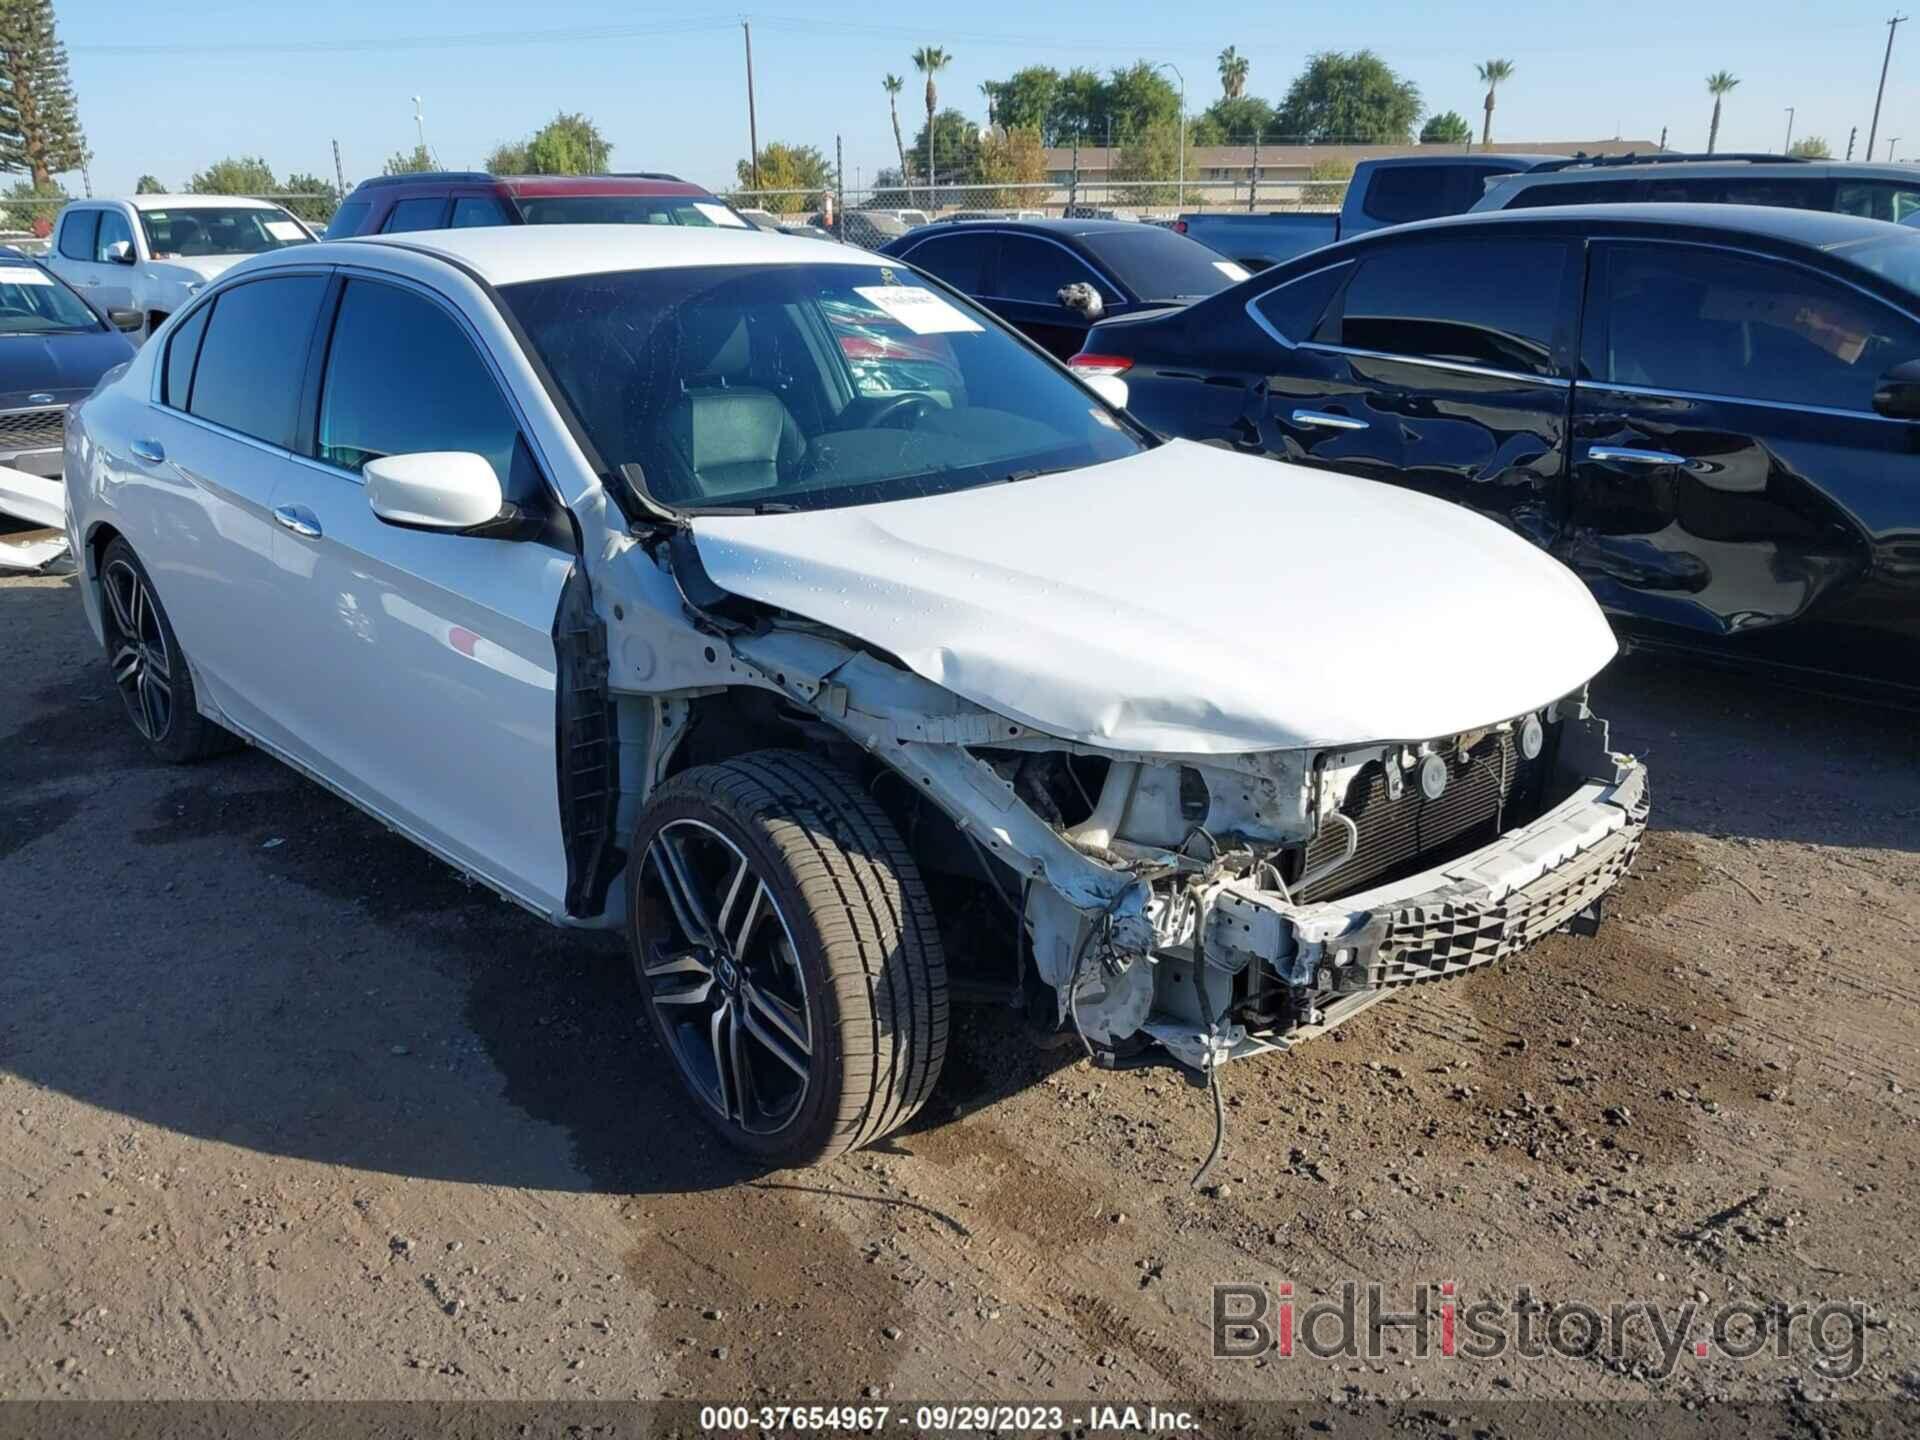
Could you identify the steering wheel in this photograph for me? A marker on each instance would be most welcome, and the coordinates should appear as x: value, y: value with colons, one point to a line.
x: 899, y: 405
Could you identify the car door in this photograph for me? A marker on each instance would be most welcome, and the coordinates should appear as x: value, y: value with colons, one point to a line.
x: 1026, y: 292
x: 1442, y: 365
x: 197, y: 496
x: 111, y: 282
x: 1732, y: 485
x: 429, y: 657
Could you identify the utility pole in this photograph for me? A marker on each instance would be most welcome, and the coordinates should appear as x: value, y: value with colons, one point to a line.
x: 1253, y: 181
x: 1787, y: 149
x: 1892, y: 140
x: 753, y: 126
x: 339, y: 175
x: 1873, y: 130
x: 839, y: 190
x: 1852, y: 135
x: 420, y: 126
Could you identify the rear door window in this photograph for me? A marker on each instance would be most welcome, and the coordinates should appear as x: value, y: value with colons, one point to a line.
x: 1879, y: 199
x: 963, y: 261
x: 77, y: 232
x: 182, y: 349
x: 254, y: 356
x: 348, y: 219
x: 1713, y: 322
x: 419, y: 214
x: 1484, y: 302
x: 1293, y: 310
x: 1792, y: 194
x: 477, y: 210
x: 1576, y: 192
x: 1035, y: 271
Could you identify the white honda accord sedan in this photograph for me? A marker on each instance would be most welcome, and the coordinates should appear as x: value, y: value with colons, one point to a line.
x: 771, y: 602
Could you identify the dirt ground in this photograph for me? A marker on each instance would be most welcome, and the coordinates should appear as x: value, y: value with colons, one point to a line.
x: 288, y: 1111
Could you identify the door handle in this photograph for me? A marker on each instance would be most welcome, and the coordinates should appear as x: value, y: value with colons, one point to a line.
x: 151, y: 451
x: 297, y: 518
x: 1315, y: 419
x: 1622, y: 455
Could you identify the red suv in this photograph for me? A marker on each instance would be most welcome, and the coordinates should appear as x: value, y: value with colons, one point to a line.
x: 451, y: 200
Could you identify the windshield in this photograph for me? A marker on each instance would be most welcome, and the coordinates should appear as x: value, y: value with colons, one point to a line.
x: 220, y: 230
x: 626, y: 210
x: 805, y: 386
x: 32, y: 302
x: 1157, y: 264
x: 1896, y: 258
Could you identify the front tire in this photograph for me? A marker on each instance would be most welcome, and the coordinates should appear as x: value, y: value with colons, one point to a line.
x: 149, y: 669
x: 787, y: 953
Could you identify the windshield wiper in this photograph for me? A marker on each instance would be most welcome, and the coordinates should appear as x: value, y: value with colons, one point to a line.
x: 1035, y: 474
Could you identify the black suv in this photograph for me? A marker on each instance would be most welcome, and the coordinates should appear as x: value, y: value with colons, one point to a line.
x: 1710, y: 412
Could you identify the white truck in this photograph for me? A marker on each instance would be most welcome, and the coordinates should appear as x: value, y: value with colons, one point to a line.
x: 151, y: 253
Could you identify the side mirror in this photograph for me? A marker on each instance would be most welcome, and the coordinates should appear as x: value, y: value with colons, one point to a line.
x: 434, y: 490
x: 1898, y: 394
x: 1110, y: 388
x: 120, y: 252
x: 127, y: 320
x: 1083, y: 299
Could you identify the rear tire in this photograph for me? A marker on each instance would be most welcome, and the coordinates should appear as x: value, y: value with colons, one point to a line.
x: 148, y: 667
x: 786, y: 949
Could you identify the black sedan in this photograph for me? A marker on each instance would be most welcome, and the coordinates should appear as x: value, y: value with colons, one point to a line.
x: 1051, y: 279
x: 1712, y: 413
x: 54, y: 347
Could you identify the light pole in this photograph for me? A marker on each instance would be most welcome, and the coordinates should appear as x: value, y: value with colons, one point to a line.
x: 1788, y: 148
x: 1169, y: 65
x: 420, y: 126
x: 1873, y: 130
x: 1892, y: 140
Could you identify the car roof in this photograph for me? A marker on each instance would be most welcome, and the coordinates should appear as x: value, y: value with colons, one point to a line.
x: 1037, y: 227
x: 1723, y: 170
x: 1819, y: 229
x: 197, y: 202
x: 511, y: 254
x: 1488, y: 158
x: 600, y: 185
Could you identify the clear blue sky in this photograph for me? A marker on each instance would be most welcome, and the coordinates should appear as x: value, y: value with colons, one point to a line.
x: 666, y: 85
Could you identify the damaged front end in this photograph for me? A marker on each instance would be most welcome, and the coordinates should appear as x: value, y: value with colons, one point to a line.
x: 1224, y: 904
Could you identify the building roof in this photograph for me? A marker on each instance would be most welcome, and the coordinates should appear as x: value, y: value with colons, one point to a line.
x: 1227, y: 157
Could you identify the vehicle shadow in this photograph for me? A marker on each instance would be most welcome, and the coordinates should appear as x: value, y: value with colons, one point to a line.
x: 1731, y: 755
x: 231, y: 953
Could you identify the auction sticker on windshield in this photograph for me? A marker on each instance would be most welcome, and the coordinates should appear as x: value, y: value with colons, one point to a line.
x: 21, y: 275
x: 720, y: 215
x: 921, y: 311
x: 285, y: 230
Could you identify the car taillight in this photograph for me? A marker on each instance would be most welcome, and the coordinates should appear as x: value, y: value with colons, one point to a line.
x: 1088, y: 363
x: 1179, y: 227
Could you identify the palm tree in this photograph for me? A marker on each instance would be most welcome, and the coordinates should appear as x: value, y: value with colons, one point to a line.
x: 1718, y: 84
x: 1233, y: 73
x: 930, y: 60
x: 991, y: 90
x: 893, y: 85
x: 1492, y: 72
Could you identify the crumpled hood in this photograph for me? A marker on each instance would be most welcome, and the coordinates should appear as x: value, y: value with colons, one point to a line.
x: 1188, y: 600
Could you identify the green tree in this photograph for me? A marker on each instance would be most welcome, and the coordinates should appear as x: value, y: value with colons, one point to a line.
x: 1327, y: 182
x: 310, y: 197
x: 1137, y: 99
x: 1233, y: 122
x: 568, y: 145
x: 956, y: 151
x: 149, y: 185
x: 1011, y: 158
x: 21, y: 214
x: 1080, y: 107
x: 1027, y: 98
x: 1491, y: 73
x: 1449, y: 127
x: 800, y: 168
x: 1811, y: 147
x: 506, y: 158
x: 417, y: 161
x: 930, y: 60
x: 235, y: 175
x: 39, y: 117
x: 1349, y: 99
x: 1233, y: 73
x: 1153, y: 154
x: 893, y: 85
x: 1719, y: 85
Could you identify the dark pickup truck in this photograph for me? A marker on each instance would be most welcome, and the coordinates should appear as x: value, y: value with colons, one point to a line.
x: 1381, y: 193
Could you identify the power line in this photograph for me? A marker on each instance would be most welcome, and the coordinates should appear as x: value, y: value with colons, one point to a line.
x: 470, y: 39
